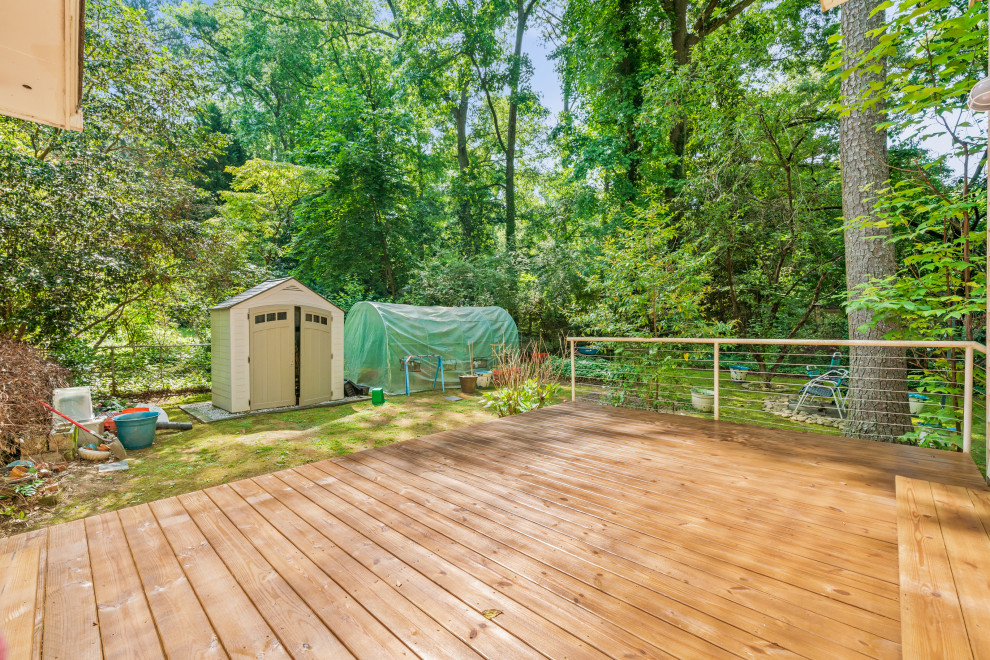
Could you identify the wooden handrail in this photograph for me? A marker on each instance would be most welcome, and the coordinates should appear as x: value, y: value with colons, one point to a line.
x: 893, y: 343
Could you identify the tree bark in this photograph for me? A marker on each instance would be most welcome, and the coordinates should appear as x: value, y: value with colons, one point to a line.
x: 515, y: 69
x: 878, y: 402
x: 682, y: 42
x: 632, y: 87
x: 464, y: 215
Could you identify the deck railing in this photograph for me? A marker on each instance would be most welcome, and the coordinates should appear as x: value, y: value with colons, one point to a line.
x: 797, y: 384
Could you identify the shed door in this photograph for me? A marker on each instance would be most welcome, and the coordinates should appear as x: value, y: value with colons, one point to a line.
x: 273, y: 359
x: 315, y: 383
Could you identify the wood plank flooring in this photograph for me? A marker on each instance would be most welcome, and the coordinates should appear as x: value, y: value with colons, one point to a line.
x: 576, y: 531
x: 944, y: 541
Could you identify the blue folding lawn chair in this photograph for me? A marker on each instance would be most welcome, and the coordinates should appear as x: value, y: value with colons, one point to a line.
x: 830, y: 385
x: 814, y: 371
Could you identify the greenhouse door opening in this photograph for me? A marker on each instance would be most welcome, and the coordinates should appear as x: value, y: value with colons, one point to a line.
x: 315, y: 383
x: 272, y: 357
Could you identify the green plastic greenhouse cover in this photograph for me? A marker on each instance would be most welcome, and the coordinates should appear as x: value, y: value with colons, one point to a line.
x: 377, y: 336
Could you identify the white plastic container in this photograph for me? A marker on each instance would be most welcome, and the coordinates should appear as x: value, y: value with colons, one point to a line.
x: 738, y: 373
x: 703, y: 400
x: 76, y: 402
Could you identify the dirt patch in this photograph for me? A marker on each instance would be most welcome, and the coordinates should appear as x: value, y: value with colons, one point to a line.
x: 80, y: 489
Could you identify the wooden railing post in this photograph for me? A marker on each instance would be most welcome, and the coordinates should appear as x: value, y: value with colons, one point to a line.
x: 715, y: 379
x: 573, y: 379
x: 967, y: 430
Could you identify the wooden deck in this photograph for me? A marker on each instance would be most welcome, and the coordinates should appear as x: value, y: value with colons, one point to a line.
x: 944, y: 541
x: 576, y: 531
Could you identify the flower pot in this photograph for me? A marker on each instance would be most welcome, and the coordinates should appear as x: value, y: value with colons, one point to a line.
x: 917, y: 402
x: 469, y: 384
x: 738, y: 373
x: 703, y: 400
x: 484, y: 378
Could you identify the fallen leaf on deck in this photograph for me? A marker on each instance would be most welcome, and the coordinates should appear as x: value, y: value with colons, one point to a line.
x: 491, y: 614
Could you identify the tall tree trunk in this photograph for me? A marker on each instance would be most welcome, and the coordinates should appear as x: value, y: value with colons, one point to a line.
x: 878, y: 401
x: 632, y: 87
x: 461, y: 116
x: 464, y: 215
x: 510, y: 140
x: 523, y: 11
x: 682, y: 41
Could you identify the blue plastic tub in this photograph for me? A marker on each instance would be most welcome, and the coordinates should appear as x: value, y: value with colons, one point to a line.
x: 136, y: 430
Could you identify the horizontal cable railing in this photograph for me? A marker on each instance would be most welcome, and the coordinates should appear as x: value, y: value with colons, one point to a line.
x: 931, y: 394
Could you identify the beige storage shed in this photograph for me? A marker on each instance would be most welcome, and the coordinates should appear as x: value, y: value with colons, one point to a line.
x: 277, y: 344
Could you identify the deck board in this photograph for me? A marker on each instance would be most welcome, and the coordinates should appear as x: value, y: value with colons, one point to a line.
x: 182, y: 624
x: 945, y: 570
x: 71, y: 626
x: 127, y: 629
x: 18, y: 596
x: 577, y: 531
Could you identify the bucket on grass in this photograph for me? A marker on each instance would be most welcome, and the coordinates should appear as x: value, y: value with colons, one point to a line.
x: 738, y: 372
x: 702, y: 399
x: 469, y: 383
x: 377, y: 396
x: 136, y: 430
x: 917, y: 402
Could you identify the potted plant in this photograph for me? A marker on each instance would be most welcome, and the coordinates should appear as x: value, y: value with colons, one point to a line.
x: 469, y: 382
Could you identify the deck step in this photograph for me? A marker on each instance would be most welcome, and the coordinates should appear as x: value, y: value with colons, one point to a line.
x: 18, y: 599
x: 944, y: 551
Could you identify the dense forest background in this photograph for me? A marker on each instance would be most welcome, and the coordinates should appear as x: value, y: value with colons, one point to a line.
x: 401, y: 150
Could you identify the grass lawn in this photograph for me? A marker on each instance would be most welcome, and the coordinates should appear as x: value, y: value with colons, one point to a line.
x: 211, y: 454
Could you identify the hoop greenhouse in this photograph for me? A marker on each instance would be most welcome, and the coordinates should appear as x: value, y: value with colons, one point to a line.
x: 378, y: 337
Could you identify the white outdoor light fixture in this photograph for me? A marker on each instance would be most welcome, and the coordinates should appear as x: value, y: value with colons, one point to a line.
x: 979, y: 97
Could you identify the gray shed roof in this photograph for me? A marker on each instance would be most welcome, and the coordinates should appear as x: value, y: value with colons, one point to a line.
x: 251, y: 293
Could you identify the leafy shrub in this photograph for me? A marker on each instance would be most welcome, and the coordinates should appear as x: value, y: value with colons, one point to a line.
x: 520, y: 397
x: 584, y: 367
